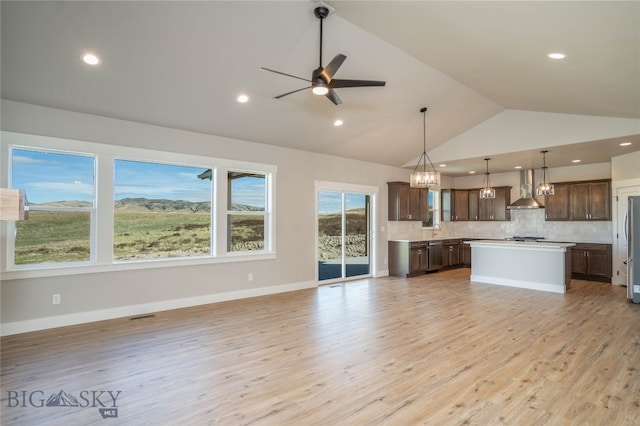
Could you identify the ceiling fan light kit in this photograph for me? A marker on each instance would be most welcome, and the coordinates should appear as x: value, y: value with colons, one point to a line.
x: 424, y: 178
x: 322, y: 81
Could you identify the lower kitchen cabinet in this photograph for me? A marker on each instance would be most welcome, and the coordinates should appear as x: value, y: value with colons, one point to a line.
x: 591, y: 262
x: 407, y: 259
x: 466, y: 255
x: 451, y: 253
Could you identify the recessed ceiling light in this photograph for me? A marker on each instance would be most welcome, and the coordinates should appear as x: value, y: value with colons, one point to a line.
x: 442, y: 165
x: 90, y: 59
x: 243, y: 99
x: 472, y: 172
x: 517, y: 167
x: 556, y: 55
x: 338, y: 123
x: 575, y: 161
x: 625, y: 144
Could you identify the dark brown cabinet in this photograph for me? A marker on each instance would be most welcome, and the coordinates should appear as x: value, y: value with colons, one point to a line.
x: 474, y: 204
x: 579, y: 201
x: 590, y: 201
x: 496, y: 208
x: 591, y: 262
x: 451, y: 253
x: 406, y: 203
x: 466, y: 205
x: 407, y: 259
x: 557, y: 206
x: 466, y: 255
x: 455, y: 204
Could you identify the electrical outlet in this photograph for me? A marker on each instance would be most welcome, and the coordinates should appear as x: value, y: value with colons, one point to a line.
x: 250, y: 277
x: 56, y: 299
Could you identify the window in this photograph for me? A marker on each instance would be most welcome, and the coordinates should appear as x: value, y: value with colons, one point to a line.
x: 160, y: 211
x: 99, y: 207
x: 246, y: 211
x: 433, y: 204
x: 60, y: 188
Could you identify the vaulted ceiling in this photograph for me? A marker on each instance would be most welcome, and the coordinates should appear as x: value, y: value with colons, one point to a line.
x: 182, y: 65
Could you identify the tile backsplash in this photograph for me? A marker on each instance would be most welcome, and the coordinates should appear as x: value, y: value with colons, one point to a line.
x: 529, y: 222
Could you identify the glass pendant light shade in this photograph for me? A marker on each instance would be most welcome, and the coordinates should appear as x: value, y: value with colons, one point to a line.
x: 487, y: 191
x: 545, y: 187
x: 424, y: 178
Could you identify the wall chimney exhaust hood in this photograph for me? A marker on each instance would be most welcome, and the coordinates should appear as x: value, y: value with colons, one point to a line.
x: 526, y: 200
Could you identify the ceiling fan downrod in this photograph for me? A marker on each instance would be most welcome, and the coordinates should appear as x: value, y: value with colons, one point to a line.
x: 321, y: 12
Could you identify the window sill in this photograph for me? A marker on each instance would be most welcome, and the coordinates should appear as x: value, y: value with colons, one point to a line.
x: 56, y: 271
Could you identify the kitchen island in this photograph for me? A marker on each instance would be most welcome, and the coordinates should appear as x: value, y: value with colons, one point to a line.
x: 533, y: 265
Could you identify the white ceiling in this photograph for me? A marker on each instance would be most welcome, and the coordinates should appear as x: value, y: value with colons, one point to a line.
x: 182, y: 64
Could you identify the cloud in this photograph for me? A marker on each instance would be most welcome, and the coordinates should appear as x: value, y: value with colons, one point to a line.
x: 19, y: 159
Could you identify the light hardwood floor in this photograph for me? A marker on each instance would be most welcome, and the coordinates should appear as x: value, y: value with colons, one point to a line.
x: 434, y: 350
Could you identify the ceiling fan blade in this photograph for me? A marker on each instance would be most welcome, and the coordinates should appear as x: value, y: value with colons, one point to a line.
x: 332, y: 67
x: 294, y: 91
x: 285, y: 74
x: 336, y: 84
x: 333, y: 97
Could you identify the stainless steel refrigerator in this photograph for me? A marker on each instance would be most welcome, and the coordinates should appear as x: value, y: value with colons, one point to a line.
x: 633, y: 243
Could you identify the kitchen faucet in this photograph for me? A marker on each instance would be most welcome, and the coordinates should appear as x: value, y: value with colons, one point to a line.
x: 433, y: 229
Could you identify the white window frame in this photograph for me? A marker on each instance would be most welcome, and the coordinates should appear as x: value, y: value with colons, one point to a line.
x: 266, y: 214
x: 102, y: 232
x: 435, y: 212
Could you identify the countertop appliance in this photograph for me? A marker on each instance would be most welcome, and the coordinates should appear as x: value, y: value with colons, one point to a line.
x: 632, y: 228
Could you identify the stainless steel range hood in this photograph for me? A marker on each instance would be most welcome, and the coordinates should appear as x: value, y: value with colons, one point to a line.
x: 526, y: 200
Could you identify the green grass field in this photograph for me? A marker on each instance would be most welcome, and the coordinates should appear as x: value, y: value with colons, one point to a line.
x: 65, y: 236
x: 50, y: 237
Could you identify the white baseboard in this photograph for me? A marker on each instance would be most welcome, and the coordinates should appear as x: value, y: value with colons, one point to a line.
x: 26, y: 326
x: 553, y: 288
x: 384, y: 273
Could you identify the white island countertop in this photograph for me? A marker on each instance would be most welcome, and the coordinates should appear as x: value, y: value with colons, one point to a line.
x: 522, y: 245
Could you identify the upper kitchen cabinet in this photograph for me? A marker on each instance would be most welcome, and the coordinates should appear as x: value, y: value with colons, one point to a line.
x: 579, y: 201
x: 496, y: 208
x: 590, y: 201
x: 557, y: 206
x: 474, y: 205
x: 455, y: 204
x: 406, y: 203
x: 466, y: 204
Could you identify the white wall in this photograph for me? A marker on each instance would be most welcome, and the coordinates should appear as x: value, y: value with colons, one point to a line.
x: 26, y: 303
x: 625, y: 167
x: 527, y: 130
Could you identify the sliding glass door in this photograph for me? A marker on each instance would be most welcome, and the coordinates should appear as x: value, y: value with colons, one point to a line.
x: 343, y: 234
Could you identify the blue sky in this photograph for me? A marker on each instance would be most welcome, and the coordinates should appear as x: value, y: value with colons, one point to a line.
x: 134, y: 179
x: 52, y: 176
x: 48, y: 177
x: 331, y: 202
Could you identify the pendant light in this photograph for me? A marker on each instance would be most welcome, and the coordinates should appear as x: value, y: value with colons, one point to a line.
x: 487, y: 191
x: 424, y: 179
x: 545, y: 187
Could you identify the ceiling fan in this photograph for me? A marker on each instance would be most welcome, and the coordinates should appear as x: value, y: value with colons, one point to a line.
x: 322, y: 81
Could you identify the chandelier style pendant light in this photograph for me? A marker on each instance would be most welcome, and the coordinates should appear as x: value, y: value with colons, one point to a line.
x: 545, y: 187
x: 487, y: 191
x: 424, y: 179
